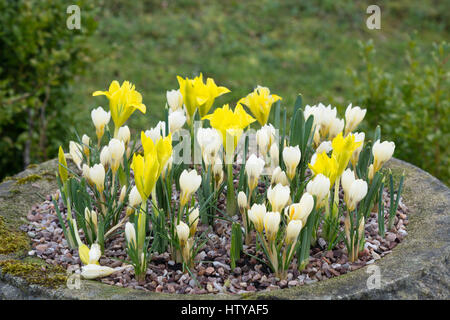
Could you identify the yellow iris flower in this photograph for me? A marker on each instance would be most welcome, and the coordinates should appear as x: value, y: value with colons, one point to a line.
x: 230, y: 124
x: 148, y: 168
x: 260, y: 102
x: 198, y: 95
x: 328, y: 166
x: 123, y: 101
x: 343, y: 149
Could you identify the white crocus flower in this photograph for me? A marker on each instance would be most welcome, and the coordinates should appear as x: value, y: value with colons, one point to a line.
x: 274, y: 155
x: 189, y: 183
x: 210, y: 141
x: 174, y: 100
x: 130, y: 234
x: 320, y: 188
x: 292, y: 231
x: 301, y: 210
x: 94, y: 253
x: 157, y: 132
x: 193, y: 221
x: 278, y: 196
x: 253, y: 167
x: 105, y: 157
x: 135, y: 197
x: 100, y: 118
x: 272, y: 224
x: 359, y: 137
x: 86, y: 142
x: 256, y: 215
x: 325, y: 146
x: 382, y: 152
x: 356, y: 193
x: 97, y: 175
x: 279, y: 176
x: 124, y: 135
x: 291, y: 158
x: 353, y: 117
x: 242, y: 201
x: 335, y: 127
x: 176, y: 120
x: 183, y: 233
x: 75, y: 151
x: 93, y: 271
x: 116, y: 149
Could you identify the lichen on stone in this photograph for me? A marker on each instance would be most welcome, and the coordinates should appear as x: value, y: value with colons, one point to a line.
x: 30, y: 178
x: 35, y: 273
x: 12, y: 241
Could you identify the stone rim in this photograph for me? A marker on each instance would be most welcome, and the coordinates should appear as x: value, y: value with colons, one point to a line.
x: 415, y: 269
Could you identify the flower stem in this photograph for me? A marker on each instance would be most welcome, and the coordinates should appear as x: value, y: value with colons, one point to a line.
x: 231, y: 197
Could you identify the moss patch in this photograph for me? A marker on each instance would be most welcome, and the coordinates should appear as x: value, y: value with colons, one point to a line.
x: 30, y: 178
x: 12, y: 241
x: 35, y: 273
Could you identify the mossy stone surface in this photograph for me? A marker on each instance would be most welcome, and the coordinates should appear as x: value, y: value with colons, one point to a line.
x: 416, y: 269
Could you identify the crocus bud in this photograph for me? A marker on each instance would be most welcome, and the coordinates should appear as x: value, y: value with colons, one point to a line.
x: 75, y: 150
x: 116, y: 149
x: 93, y: 271
x: 357, y: 192
x: 319, y: 187
x: 91, y: 217
x: 361, y: 228
x: 193, y: 221
x: 263, y: 140
x: 242, y: 201
x: 292, y: 231
x: 347, y: 178
x: 134, y: 200
x: 85, y: 173
x: 256, y: 215
x: 218, y: 171
x: 253, y: 167
x: 97, y: 175
x: 123, y: 193
x: 189, y: 183
x: 174, y: 99
x: 86, y: 141
x: 278, y: 196
x: 274, y: 155
x: 271, y: 224
x: 279, y: 176
x: 176, y: 120
x: 183, y: 233
x: 105, y: 157
x: 353, y: 117
x: 100, y: 118
x: 371, y: 173
x: 382, y: 152
x: 124, y: 135
x: 130, y: 234
x: 359, y: 137
x: 291, y: 158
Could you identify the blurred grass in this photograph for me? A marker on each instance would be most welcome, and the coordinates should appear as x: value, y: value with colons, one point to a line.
x: 288, y: 46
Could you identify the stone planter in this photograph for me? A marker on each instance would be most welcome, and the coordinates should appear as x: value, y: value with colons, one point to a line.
x: 416, y: 269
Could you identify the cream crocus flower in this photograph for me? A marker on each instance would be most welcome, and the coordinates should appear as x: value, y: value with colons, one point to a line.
x: 105, y: 157
x: 157, y: 131
x: 278, y: 196
x: 274, y: 155
x: 174, y: 100
x: 75, y: 151
x: 357, y: 192
x: 182, y: 233
x: 264, y: 138
x: 100, y: 118
x: 256, y: 215
x: 85, y: 173
x: 89, y: 256
x: 124, y: 135
x: 347, y: 178
x: 177, y: 119
x: 271, y: 225
x: 291, y: 158
x: 193, y: 221
x: 130, y: 234
x: 325, y: 146
x: 116, y: 149
x: 93, y: 271
x: 253, y: 168
x: 123, y: 193
x: 218, y: 172
x: 189, y: 183
x: 86, y: 142
x: 97, y: 175
x: 279, y: 176
x: 292, y: 231
x: 301, y: 210
x: 91, y: 217
x: 382, y: 152
x: 359, y: 137
x: 319, y: 187
x: 353, y: 117
x: 210, y: 141
x: 242, y: 201
x: 336, y: 126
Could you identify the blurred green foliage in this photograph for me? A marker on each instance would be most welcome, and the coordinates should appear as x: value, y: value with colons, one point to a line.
x: 412, y: 105
x: 289, y: 46
x: 40, y: 57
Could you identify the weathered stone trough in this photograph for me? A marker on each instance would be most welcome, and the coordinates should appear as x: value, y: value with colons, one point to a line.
x: 416, y: 269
